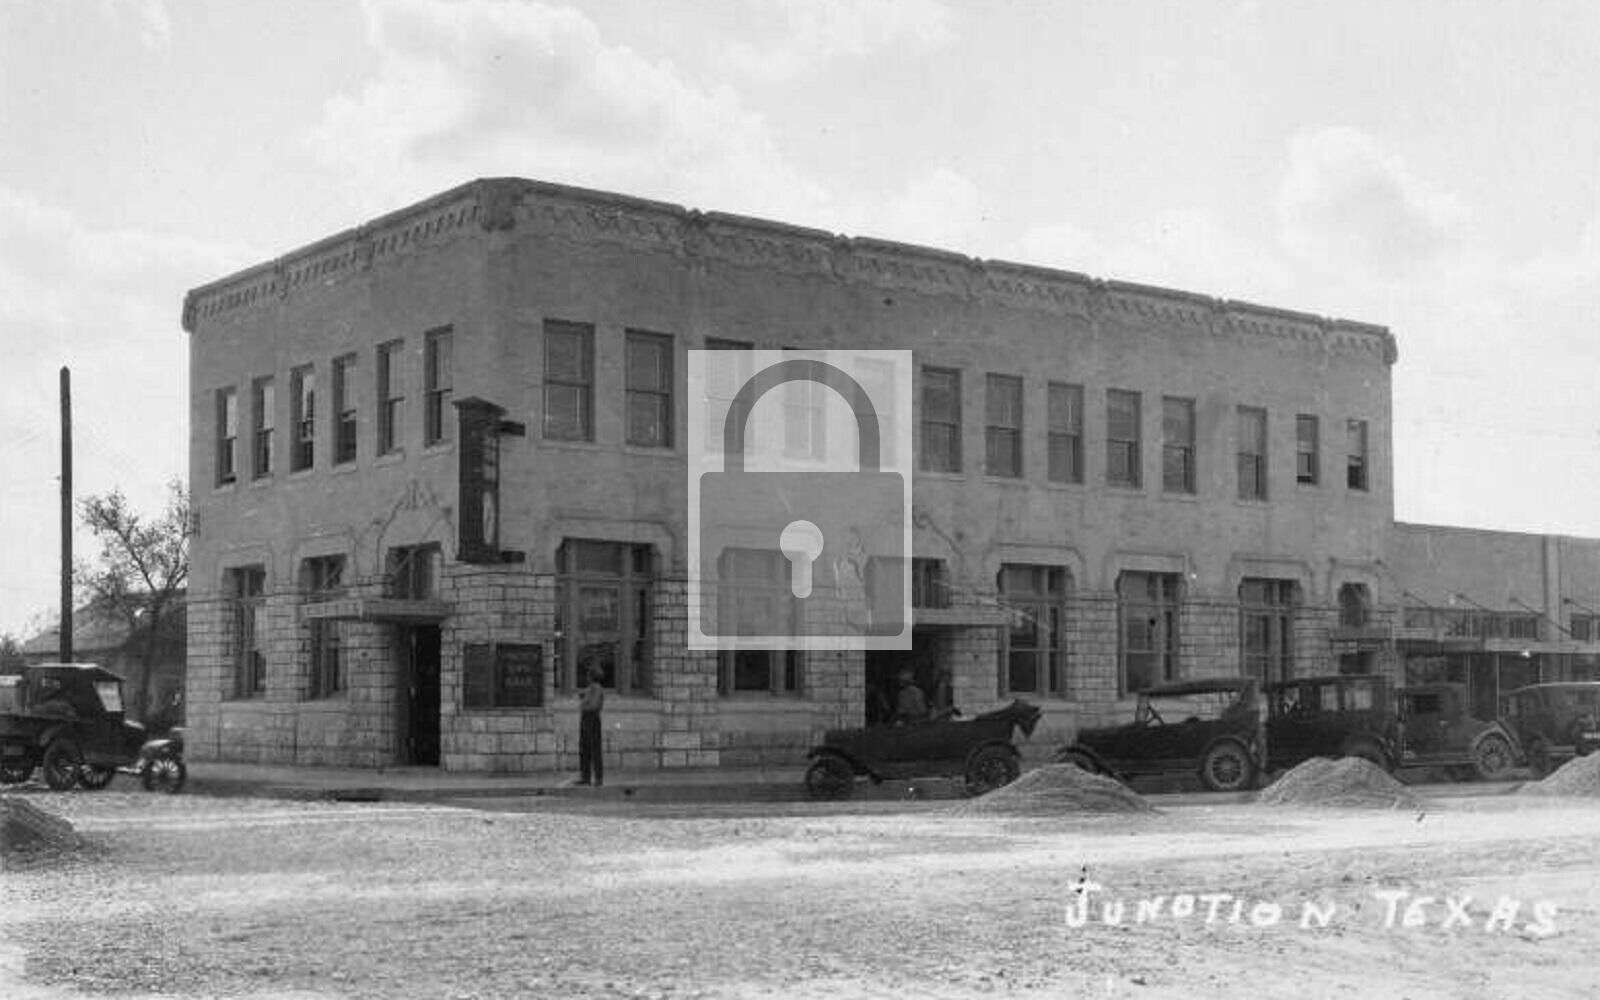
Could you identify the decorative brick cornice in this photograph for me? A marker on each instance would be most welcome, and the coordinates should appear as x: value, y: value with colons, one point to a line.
x: 585, y: 216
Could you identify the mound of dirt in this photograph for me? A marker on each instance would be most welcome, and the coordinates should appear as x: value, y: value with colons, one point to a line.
x: 1578, y: 776
x: 1343, y: 782
x: 1053, y: 790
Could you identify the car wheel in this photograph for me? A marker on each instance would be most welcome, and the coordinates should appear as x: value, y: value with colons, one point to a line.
x: 165, y: 773
x: 1080, y: 760
x: 95, y: 777
x: 61, y: 764
x: 1494, y: 756
x: 991, y: 768
x: 1227, y: 767
x: 1368, y: 750
x: 15, y: 774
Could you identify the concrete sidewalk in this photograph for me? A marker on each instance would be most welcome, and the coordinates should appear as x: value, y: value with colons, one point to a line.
x: 430, y: 784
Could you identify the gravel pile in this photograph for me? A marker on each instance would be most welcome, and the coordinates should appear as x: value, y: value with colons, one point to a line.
x: 1343, y: 782
x: 1578, y: 776
x: 1053, y: 790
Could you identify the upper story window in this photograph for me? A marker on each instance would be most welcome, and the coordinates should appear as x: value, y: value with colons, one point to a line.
x: 649, y: 389
x: 1307, y: 462
x: 941, y: 420
x: 568, y: 381
x: 263, y: 408
x: 805, y: 419
x: 437, y: 383
x: 344, y: 409
x: 1122, y: 438
x: 1003, y: 430
x: 1036, y: 597
x: 303, y: 418
x: 391, y: 395
x: 1177, y: 445
x: 227, y: 435
x: 1356, y: 463
x: 1065, y: 417
x: 726, y: 372
x: 1585, y: 628
x: 1252, y: 434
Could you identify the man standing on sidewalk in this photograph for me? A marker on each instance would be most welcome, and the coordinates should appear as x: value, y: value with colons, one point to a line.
x: 591, y: 699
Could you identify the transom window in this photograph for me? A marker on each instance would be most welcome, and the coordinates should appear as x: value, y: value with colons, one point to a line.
x: 413, y: 571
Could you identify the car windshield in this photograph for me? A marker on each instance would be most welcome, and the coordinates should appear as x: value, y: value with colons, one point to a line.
x: 1169, y: 708
x: 110, y: 693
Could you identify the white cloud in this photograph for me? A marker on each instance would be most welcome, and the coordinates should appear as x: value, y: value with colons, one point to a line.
x: 814, y: 33
x: 106, y: 304
x: 150, y: 18
x: 1346, y: 202
x: 485, y: 88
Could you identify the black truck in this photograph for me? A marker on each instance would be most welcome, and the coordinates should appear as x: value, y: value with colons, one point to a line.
x: 66, y: 721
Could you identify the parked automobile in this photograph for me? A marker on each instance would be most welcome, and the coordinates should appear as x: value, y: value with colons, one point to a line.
x: 1212, y: 728
x: 1554, y: 722
x: 66, y: 720
x: 979, y: 749
x: 1437, y: 730
x: 1341, y: 715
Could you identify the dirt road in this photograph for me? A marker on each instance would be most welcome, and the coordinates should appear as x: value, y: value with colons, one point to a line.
x: 194, y: 897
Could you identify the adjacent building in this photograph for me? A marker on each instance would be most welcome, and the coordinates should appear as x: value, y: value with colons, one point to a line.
x: 439, y: 459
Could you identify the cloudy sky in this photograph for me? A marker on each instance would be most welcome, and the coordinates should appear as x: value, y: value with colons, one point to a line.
x: 1431, y: 166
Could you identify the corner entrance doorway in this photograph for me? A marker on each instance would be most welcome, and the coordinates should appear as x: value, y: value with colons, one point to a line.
x: 418, y: 658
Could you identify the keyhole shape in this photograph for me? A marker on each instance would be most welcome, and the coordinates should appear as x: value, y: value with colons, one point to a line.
x: 801, y: 543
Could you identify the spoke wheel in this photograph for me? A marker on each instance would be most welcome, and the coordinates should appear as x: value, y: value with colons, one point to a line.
x: 1368, y: 750
x: 1227, y: 768
x: 95, y: 777
x: 1495, y: 757
x: 830, y: 778
x: 991, y: 768
x: 166, y: 773
x: 61, y: 764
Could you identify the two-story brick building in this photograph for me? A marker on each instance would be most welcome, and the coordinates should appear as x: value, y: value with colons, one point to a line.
x: 439, y: 458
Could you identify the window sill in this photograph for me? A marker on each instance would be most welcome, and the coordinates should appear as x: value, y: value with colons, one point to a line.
x: 563, y: 444
x: 305, y: 473
x: 261, y: 482
x: 653, y: 451
x: 343, y: 468
x: 225, y: 487
x: 1127, y: 489
x: 1181, y: 497
x: 1244, y: 502
x: 952, y: 477
x: 1005, y: 481
x: 443, y: 447
x: 389, y: 458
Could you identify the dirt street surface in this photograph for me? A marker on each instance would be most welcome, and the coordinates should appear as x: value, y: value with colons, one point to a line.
x: 188, y: 896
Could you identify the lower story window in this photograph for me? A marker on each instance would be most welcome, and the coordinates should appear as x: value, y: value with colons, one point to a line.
x: 327, y: 660
x: 758, y: 671
x: 604, y: 614
x: 1035, y: 596
x: 1147, y: 609
x: 1266, y: 625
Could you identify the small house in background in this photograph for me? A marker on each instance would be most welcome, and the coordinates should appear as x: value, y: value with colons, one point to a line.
x: 101, y: 635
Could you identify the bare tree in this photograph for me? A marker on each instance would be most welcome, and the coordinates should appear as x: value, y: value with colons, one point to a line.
x: 11, y: 659
x: 141, y: 574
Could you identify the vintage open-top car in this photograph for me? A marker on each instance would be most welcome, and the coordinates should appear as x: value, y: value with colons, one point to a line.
x: 1211, y: 727
x: 66, y: 720
x: 978, y: 749
x: 1554, y: 722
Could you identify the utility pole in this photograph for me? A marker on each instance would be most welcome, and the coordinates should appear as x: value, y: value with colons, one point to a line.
x: 66, y: 515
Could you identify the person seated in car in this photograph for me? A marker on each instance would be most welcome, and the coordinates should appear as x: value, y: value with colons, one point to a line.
x: 911, y: 705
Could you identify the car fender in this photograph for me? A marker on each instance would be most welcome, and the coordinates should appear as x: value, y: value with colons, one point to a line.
x: 151, y: 748
x: 1496, y: 729
x: 856, y: 764
x: 48, y: 734
x: 1089, y: 752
